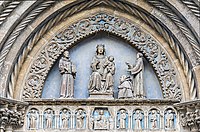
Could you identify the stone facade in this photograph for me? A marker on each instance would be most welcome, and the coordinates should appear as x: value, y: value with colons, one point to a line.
x: 100, y: 65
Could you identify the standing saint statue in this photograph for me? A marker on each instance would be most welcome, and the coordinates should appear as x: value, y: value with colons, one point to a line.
x: 122, y: 120
x: 154, y: 119
x: 169, y: 120
x: 137, y: 72
x: 138, y: 119
x: 33, y: 119
x: 68, y: 72
x: 80, y: 119
x: 103, y: 69
x: 65, y: 119
x: 49, y: 119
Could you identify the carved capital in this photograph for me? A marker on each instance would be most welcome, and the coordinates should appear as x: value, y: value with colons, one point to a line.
x: 189, y: 115
x: 12, y: 113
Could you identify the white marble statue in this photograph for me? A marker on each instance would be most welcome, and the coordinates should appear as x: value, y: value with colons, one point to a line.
x: 169, y: 120
x: 103, y: 69
x: 137, y: 72
x: 125, y: 89
x: 122, y: 119
x: 138, y: 119
x: 68, y: 72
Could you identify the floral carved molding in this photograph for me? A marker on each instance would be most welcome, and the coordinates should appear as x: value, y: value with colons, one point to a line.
x: 102, y: 22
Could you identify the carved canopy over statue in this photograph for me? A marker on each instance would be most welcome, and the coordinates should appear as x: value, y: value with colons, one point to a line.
x: 103, y: 68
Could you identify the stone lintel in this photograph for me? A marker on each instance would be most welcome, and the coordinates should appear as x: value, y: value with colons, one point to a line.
x: 102, y: 102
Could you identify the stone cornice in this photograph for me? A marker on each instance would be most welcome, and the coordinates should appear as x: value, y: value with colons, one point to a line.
x: 102, y: 102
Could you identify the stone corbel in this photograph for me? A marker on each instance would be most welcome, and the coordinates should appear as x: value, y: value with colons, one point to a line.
x: 189, y: 113
x: 12, y: 114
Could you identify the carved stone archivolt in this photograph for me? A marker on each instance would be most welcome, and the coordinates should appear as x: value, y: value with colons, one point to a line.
x: 102, y: 22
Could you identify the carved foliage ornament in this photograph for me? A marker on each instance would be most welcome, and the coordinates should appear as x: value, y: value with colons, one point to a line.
x: 102, y: 22
x: 12, y: 118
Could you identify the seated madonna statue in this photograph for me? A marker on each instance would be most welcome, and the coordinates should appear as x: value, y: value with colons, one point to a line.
x: 103, y: 69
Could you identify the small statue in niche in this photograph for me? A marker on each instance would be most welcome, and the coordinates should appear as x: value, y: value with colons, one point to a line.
x: 65, y: 117
x: 101, y: 121
x: 169, y: 119
x: 122, y: 119
x: 80, y: 117
x: 68, y: 72
x: 125, y: 88
x: 154, y: 119
x: 138, y: 117
x: 48, y: 118
x: 137, y: 73
x: 103, y: 69
x: 33, y: 119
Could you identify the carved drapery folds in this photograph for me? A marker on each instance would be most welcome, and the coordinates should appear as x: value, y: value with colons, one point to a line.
x: 103, y: 69
x: 12, y: 113
x: 102, y: 22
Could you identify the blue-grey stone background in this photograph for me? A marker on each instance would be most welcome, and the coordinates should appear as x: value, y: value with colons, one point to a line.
x: 81, y: 55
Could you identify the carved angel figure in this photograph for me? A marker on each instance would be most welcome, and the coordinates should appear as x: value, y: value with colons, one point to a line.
x: 68, y: 72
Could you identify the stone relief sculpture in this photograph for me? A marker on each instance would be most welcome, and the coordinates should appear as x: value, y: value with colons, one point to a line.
x: 33, y: 119
x: 65, y: 118
x: 138, y: 119
x: 122, y: 118
x: 80, y: 119
x: 103, y: 69
x: 134, y: 35
x: 169, y: 119
x: 101, y: 119
x: 68, y: 72
x: 154, y: 120
x: 137, y: 73
x: 125, y: 89
x: 48, y: 119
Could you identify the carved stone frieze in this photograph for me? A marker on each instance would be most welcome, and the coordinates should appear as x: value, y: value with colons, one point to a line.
x: 97, y: 115
x: 102, y: 22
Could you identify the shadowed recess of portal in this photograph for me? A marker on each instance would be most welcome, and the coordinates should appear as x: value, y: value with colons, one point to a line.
x: 81, y: 55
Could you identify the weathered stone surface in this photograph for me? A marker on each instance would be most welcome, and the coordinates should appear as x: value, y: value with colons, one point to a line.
x: 35, y: 34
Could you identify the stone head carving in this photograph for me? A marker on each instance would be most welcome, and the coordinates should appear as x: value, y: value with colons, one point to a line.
x: 66, y: 54
x: 100, y: 49
x: 111, y: 58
